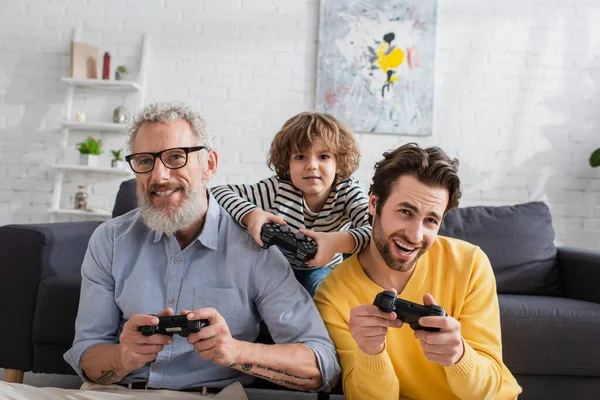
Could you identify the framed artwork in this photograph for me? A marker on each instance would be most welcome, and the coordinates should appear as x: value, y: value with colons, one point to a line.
x: 84, y: 61
x: 375, y: 64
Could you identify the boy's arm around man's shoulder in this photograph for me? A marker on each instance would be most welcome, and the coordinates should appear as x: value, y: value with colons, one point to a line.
x: 356, y: 208
x: 239, y: 200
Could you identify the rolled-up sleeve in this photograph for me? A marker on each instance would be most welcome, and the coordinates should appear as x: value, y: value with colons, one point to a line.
x: 290, y: 313
x: 98, y: 316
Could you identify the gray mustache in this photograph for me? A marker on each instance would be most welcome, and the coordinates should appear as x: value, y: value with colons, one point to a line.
x: 161, y: 188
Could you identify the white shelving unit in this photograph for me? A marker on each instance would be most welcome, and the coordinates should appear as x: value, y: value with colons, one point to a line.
x: 89, y: 213
x: 101, y: 84
x: 99, y: 170
x: 95, y: 126
x: 69, y: 125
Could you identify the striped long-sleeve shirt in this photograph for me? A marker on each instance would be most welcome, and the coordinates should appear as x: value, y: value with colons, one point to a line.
x: 346, y: 208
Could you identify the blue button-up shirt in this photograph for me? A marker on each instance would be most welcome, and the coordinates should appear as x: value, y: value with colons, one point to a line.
x: 130, y: 270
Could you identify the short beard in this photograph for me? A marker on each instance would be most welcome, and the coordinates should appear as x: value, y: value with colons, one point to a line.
x: 170, y: 219
x: 383, y: 246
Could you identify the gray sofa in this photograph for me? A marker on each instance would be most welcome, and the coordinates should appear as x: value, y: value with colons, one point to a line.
x: 549, y: 297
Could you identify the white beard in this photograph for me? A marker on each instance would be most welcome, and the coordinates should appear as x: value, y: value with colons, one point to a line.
x: 170, y: 219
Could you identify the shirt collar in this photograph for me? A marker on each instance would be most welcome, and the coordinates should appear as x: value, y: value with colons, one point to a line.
x: 209, y: 235
x: 210, y: 231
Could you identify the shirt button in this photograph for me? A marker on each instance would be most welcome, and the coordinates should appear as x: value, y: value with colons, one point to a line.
x: 176, y: 260
x: 171, y: 301
x: 155, y: 368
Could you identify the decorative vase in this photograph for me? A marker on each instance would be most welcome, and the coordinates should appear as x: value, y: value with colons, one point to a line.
x: 117, y: 164
x: 121, y: 76
x: 120, y: 115
x: 89, y: 160
x: 81, y: 198
x: 106, y: 66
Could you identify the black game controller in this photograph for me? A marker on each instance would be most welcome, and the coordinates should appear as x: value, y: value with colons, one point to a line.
x: 174, y: 324
x: 407, y: 311
x: 296, y: 247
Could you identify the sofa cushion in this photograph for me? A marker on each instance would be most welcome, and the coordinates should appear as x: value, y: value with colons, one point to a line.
x: 48, y: 359
x: 519, y: 241
x: 548, y: 387
x: 126, y: 200
x: 56, y: 310
x: 546, y: 335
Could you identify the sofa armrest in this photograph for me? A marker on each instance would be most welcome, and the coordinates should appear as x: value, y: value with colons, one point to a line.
x: 580, y: 273
x: 28, y: 255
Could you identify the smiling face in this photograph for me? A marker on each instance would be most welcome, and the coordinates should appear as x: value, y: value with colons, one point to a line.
x: 405, y: 227
x: 172, y: 199
x: 313, y: 171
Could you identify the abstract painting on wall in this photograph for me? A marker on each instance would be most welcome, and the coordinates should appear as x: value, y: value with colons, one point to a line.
x: 375, y: 68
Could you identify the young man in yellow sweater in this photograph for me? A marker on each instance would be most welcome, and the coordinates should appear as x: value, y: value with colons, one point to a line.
x: 412, y: 190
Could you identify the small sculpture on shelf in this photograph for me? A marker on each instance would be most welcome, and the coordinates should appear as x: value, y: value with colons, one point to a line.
x: 117, y: 161
x: 121, y: 73
x: 120, y: 115
x: 80, y: 117
x: 81, y: 198
x: 89, y: 151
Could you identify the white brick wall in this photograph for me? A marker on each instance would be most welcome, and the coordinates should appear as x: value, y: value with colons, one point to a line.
x: 517, y: 92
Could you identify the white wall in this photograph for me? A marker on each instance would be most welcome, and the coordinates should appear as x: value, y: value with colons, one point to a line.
x: 517, y: 92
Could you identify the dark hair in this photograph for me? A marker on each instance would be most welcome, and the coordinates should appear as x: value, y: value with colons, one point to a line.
x: 431, y: 166
x: 301, y: 131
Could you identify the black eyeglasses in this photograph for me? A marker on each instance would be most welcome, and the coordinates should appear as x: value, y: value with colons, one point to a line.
x: 175, y: 158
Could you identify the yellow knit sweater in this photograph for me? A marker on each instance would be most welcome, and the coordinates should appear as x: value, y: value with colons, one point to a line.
x: 460, y: 278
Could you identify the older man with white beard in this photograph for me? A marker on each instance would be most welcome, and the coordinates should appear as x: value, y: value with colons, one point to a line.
x: 180, y: 252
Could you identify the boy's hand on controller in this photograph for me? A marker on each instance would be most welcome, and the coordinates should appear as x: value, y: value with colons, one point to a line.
x: 255, y: 220
x: 369, y: 327
x: 327, y: 246
x: 214, y: 342
x: 444, y: 347
x: 136, y: 349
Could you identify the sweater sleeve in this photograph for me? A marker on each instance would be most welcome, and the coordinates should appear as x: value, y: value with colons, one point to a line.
x: 356, y: 208
x: 478, y: 374
x: 239, y: 200
x: 364, y: 376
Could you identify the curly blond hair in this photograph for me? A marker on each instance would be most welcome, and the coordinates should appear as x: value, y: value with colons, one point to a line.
x: 301, y: 131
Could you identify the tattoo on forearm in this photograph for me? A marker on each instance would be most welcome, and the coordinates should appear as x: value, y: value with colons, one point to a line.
x: 284, y: 382
x: 248, y: 369
x: 107, y: 377
x: 231, y: 365
x: 283, y: 373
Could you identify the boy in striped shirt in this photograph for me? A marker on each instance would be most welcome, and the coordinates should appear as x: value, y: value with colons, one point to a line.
x: 313, y: 191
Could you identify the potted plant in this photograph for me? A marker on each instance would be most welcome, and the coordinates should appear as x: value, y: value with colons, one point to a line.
x: 120, y: 73
x: 117, y: 161
x: 595, y: 158
x: 89, y: 151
